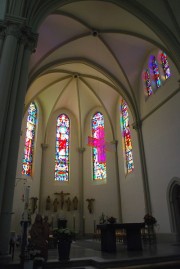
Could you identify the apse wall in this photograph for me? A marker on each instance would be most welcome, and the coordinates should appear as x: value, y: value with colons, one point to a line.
x: 131, y: 184
x: 160, y: 127
x: 32, y: 183
x: 162, y: 147
x: 106, y: 192
x: 48, y: 185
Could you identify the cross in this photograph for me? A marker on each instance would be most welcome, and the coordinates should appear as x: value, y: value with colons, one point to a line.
x: 99, y: 143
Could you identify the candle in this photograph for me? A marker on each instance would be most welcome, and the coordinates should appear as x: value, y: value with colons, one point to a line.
x: 83, y: 224
x: 74, y: 223
x: 94, y: 225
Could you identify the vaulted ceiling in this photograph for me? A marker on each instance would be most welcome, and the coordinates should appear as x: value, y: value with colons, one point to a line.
x: 90, y: 52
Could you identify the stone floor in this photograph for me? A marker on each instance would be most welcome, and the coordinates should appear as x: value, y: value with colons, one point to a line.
x: 87, y: 253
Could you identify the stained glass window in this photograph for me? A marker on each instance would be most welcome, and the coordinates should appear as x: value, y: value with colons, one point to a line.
x: 29, y: 140
x: 148, y: 82
x: 99, y: 153
x: 62, y: 148
x: 126, y: 136
x: 156, y: 72
x: 165, y: 65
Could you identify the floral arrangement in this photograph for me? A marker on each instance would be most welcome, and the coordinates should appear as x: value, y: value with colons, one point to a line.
x: 63, y: 234
x: 149, y: 219
x: 105, y: 219
x: 111, y: 220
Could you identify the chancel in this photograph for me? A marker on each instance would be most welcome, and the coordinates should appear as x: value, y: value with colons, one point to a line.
x: 108, y: 71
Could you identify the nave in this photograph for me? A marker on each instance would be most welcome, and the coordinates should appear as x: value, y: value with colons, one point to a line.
x: 86, y: 253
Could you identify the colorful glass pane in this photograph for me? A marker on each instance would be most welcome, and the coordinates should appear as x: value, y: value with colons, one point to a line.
x: 99, y: 153
x: 29, y: 140
x: 148, y: 82
x: 62, y: 148
x: 156, y: 72
x: 165, y: 65
x: 127, y: 136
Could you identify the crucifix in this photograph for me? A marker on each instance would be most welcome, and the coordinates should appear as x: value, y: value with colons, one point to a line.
x: 62, y: 194
x: 100, y: 144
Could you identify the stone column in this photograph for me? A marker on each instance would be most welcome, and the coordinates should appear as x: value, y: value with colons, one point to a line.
x: 2, y: 36
x: 115, y: 143
x: 147, y: 197
x: 81, y: 192
x: 44, y: 147
x: 18, y: 45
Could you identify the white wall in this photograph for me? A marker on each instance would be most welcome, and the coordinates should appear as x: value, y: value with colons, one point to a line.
x: 131, y: 185
x: 23, y: 181
x: 162, y: 147
x: 105, y: 193
x: 160, y: 127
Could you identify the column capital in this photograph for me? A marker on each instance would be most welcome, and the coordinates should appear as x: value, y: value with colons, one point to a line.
x: 44, y: 146
x: 16, y: 27
x: 114, y: 142
x: 29, y: 38
x: 137, y: 125
x: 81, y: 150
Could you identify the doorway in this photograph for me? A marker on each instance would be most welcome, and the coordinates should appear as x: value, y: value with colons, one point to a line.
x: 174, y: 203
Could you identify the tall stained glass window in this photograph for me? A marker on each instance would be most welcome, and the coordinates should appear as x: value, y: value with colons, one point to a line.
x: 148, y: 82
x: 126, y: 136
x: 29, y: 140
x: 156, y: 72
x: 99, y: 154
x: 165, y: 65
x: 62, y: 148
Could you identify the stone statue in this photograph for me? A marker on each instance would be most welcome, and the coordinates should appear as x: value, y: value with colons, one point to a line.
x: 33, y: 204
x: 62, y: 195
x: 90, y: 205
x: 38, y: 237
x: 55, y: 204
x: 48, y: 203
x: 68, y: 202
x: 75, y: 203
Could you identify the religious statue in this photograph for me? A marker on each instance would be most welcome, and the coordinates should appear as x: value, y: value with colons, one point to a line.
x: 48, y: 203
x: 68, y: 202
x: 62, y: 195
x: 33, y: 204
x: 55, y: 204
x: 39, y: 237
x: 90, y: 205
x: 75, y: 203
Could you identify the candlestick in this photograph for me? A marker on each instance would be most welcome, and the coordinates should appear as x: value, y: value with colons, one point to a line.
x: 74, y: 223
x: 94, y: 225
x: 83, y: 225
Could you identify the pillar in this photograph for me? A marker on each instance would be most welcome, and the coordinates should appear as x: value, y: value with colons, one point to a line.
x: 44, y: 147
x: 17, y: 46
x: 147, y: 198
x: 81, y: 192
x: 115, y: 143
x: 2, y: 36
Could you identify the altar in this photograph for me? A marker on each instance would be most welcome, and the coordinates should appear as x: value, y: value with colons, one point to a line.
x: 133, y: 235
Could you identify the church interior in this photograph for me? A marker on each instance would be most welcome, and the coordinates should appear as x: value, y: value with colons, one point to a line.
x: 90, y: 114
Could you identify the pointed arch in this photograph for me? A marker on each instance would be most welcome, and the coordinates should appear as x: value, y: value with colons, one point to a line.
x: 126, y: 133
x: 62, y: 148
x: 29, y: 140
x: 99, y: 153
x: 173, y: 195
x: 165, y: 65
x: 147, y: 81
x: 155, y: 70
